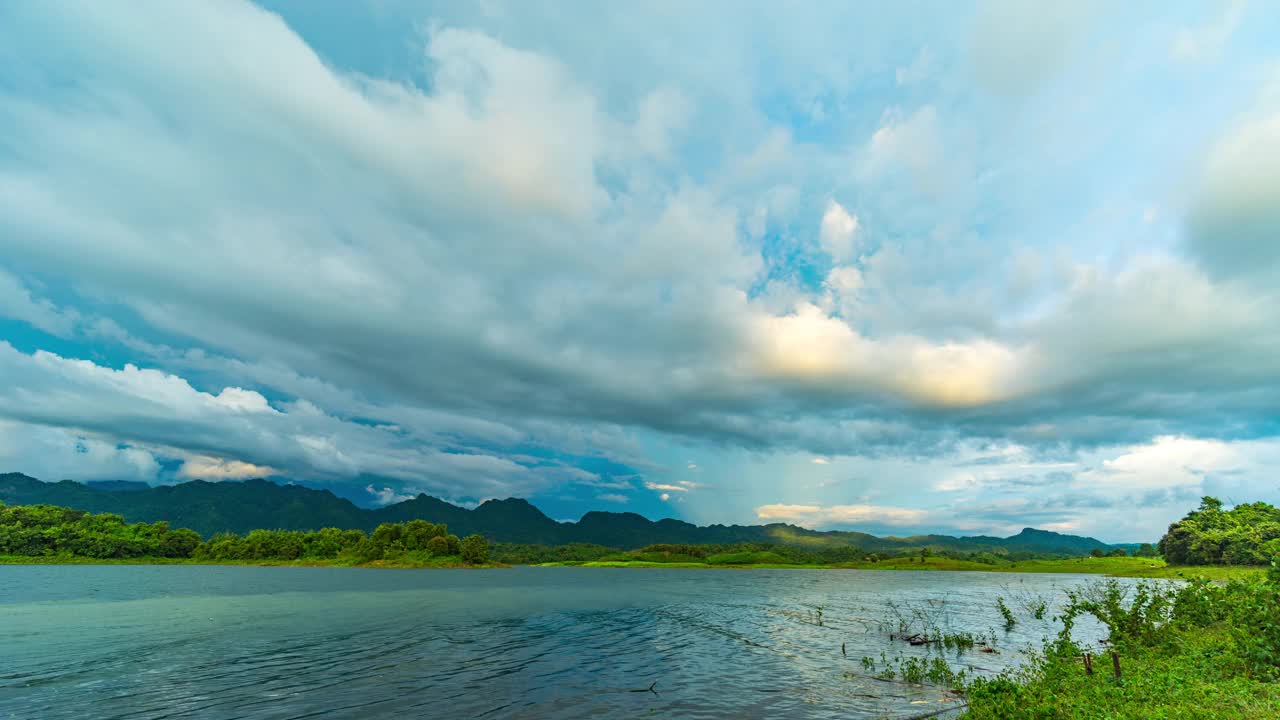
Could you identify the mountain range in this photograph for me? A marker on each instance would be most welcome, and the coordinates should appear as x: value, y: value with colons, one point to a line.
x: 239, y: 507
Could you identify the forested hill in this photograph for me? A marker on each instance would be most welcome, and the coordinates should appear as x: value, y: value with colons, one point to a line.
x: 240, y: 507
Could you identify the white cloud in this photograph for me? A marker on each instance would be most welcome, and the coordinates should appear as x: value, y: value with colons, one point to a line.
x: 666, y: 486
x: 52, y: 453
x: 819, y: 516
x: 813, y: 346
x: 914, y: 144
x: 387, y: 496
x: 1166, y: 462
x: 837, y: 232
x: 17, y: 302
x: 235, y: 432
x: 613, y: 498
x: 203, y: 467
x: 664, y: 497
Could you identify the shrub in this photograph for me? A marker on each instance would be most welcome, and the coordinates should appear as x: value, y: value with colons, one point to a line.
x: 438, y: 546
x: 475, y: 550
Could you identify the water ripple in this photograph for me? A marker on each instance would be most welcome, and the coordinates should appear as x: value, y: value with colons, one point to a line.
x: 286, y: 643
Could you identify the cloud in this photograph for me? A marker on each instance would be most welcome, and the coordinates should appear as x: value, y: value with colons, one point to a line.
x: 17, y: 302
x: 203, y: 467
x: 235, y: 432
x: 1235, y: 223
x: 664, y: 497
x: 387, y: 496
x: 613, y: 498
x: 511, y: 256
x: 52, y: 453
x: 912, y: 144
x: 667, y: 487
x: 837, y: 232
x: 818, y: 516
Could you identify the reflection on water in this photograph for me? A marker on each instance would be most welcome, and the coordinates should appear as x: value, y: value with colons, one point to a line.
x: 238, y: 642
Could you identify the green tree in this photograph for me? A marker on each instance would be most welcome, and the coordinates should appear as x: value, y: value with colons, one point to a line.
x: 438, y: 546
x: 1098, y: 552
x: 475, y: 550
x: 1247, y: 534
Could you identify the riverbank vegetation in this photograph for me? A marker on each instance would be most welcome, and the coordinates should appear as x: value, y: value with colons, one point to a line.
x: 1195, y: 650
x: 45, y: 533
x: 780, y: 556
x: 1209, y: 543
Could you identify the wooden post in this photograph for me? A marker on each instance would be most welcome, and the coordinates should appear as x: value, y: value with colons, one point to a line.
x: 1088, y: 664
x: 1115, y: 662
x: 842, y: 652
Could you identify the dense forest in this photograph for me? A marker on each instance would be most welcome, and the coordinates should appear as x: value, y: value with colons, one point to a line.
x: 1247, y: 534
x: 47, y: 530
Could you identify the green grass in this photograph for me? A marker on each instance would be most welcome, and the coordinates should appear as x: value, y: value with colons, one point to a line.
x: 408, y: 560
x: 1193, y: 675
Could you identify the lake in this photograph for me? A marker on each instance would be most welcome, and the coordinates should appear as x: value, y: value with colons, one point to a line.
x: 150, y: 642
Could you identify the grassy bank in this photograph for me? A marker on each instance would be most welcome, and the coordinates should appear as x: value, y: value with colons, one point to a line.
x: 407, y: 561
x: 1111, y: 566
x: 1197, y: 651
x: 1195, y: 675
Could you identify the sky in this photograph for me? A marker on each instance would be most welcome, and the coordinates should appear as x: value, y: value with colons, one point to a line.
x: 898, y: 268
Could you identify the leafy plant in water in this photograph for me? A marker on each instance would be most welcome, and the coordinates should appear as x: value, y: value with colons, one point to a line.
x: 934, y: 670
x: 1038, y: 609
x: 1129, y: 620
x: 1006, y: 613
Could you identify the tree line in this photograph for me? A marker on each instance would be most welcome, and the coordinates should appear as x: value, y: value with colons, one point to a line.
x: 749, y: 553
x: 48, y: 530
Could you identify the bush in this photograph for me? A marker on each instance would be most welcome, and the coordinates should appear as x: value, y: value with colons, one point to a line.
x: 1198, y: 650
x: 475, y: 550
x: 438, y: 546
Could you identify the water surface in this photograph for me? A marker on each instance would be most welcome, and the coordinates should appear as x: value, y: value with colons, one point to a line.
x: 150, y: 642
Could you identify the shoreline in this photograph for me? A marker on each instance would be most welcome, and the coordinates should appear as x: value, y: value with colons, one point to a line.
x: 1108, y: 567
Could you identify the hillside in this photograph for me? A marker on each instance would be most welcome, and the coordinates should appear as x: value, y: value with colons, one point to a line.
x: 238, y: 507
